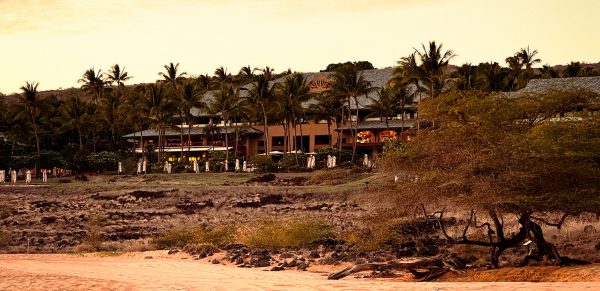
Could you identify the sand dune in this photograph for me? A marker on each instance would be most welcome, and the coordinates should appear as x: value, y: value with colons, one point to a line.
x: 133, y: 272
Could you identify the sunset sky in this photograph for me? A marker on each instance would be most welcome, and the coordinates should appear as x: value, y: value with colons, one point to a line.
x: 55, y: 41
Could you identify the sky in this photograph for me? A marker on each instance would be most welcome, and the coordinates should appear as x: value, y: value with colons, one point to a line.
x: 54, y: 41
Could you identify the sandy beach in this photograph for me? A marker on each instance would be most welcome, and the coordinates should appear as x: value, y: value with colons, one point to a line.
x: 136, y: 272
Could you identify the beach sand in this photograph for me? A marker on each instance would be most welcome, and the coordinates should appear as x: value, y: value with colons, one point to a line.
x: 172, y: 272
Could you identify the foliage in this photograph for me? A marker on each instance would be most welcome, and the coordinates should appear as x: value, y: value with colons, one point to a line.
x: 322, y: 154
x: 263, y: 163
x: 361, y: 65
x: 199, y: 235
x: 292, y: 162
x: 489, y: 149
x: 103, y: 161
x: 273, y: 233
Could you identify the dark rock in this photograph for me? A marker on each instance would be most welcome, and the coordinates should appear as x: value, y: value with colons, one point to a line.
x: 276, y: 268
x: 239, y: 261
x: 171, y: 252
x: 314, y: 255
x: 302, y: 266
x: 597, y: 247
x: 286, y: 255
x: 262, y: 179
x: 148, y: 257
x: 215, y: 261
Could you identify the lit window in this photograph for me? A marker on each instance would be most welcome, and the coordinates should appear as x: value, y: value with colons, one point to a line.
x: 387, y: 135
x: 365, y: 137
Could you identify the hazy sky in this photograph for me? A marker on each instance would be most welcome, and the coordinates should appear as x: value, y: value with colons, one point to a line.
x: 55, y: 41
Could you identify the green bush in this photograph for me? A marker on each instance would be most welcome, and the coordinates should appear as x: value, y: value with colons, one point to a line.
x: 278, y: 234
x: 293, y: 161
x: 263, y: 164
x: 322, y: 154
x: 199, y: 235
x: 103, y: 161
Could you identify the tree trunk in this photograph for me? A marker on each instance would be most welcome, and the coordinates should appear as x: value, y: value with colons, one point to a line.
x: 81, y: 138
x: 189, y: 137
x: 266, y: 133
x: 226, y: 141
x: 329, y: 131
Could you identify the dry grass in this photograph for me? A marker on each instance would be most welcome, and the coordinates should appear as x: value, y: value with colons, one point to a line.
x: 272, y: 233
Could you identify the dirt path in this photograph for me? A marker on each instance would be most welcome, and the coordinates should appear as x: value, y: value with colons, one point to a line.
x: 133, y: 272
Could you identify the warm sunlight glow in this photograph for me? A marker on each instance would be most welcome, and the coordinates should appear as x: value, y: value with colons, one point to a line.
x: 55, y: 41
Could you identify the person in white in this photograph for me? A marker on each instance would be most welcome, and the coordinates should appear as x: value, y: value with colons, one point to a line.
x: 366, y: 160
x: 13, y: 176
x: 144, y: 165
x: 139, y: 168
x: 195, y: 166
x: 206, y: 167
x: 44, y: 176
x: 120, y: 168
x: 333, y: 162
x: 328, y: 161
x: 237, y: 165
x: 166, y: 167
x: 226, y: 166
x: 244, y: 167
x: 28, y: 177
x: 2, y: 176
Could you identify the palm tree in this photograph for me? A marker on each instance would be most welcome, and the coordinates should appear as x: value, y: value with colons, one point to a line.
x: 118, y: 75
x: 246, y: 73
x: 171, y: 74
x: 30, y: 108
x: 383, y: 106
x: 260, y: 95
x: 136, y: 110
x: 75, y: 116
x: 328, y: 108
x: 433, y: 64
x: 349, y: 83
x: 190, y: 97
x: 292, y: 93
x: 573, y: 69
x: 226, y: 101
x: 493, y: 77
x: 221, y: 76
x: 94, y: 84
x: 110, y: 113
x: 174, y: 78
x: 161, y: 109
x: 527, y: 58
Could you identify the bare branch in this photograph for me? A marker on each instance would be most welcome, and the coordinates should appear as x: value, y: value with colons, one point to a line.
x: 557, y: 225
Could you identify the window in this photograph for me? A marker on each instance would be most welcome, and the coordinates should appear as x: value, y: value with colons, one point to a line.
x: 365, y: 137
x: 321, y: 139
x: 261, y: 143
x: 278, y: 141
x: 387, y: 135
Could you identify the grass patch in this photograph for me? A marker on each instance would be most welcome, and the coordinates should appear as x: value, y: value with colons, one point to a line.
x: 278, y: 234
x: 199, y: 235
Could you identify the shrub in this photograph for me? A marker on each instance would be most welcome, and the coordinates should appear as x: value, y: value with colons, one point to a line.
x: 293, y: 161
x: 199, y: 235
x: 322, y: 154
x: 277, y: 234
x: 263, y: 164
x: 103, y: 161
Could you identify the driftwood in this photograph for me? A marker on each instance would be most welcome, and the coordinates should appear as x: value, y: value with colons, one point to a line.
x: 423, y: 269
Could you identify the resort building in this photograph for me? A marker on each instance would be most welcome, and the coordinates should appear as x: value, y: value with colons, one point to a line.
x: 207, y: 133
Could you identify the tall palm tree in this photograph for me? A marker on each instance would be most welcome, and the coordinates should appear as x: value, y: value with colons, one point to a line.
x: 383, y: 106
x: 221, y: 76
x: 349, y: 83
x: 75, y: 116
x: 118, y: 75
x: 226, y: 101
x: 433, y: 65
x: 261, y: 94
x: 329, y: 108
x: 190, y: 97
x: 493, y: 77
x: 172, y: 76
x: 161, y: 109
x: 136, y: 110
x: 94, y: 84
x: 528, y: 58
x: 30, y: 108
x: 246, y: 73
x: 292, y: 93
